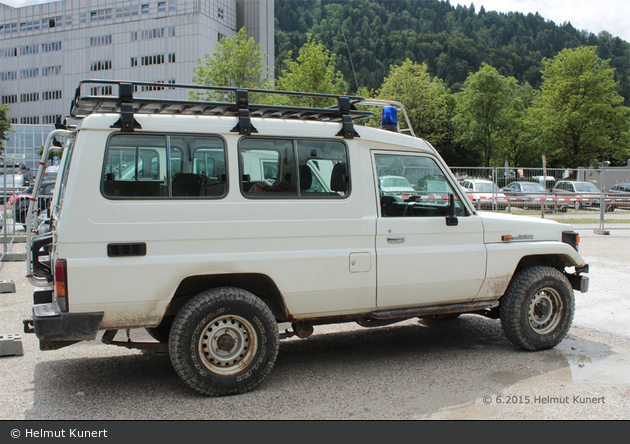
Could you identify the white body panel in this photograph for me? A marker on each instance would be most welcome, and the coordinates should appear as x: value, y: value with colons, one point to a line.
x: 327, y: 257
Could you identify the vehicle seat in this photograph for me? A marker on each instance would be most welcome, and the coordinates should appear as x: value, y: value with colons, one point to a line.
x: 339, y: 178
x: 390, y: 207
x: 306, y: 178
x: 187, y: 184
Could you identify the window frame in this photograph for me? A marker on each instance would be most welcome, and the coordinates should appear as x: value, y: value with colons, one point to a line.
x: 453, y: 185
x: 294, y: 141
x: 168, y: 166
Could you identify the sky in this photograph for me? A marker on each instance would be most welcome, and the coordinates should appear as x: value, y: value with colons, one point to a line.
x: 592, y: 15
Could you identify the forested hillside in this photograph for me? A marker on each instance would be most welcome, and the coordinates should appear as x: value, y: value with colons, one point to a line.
x: 452, y: 41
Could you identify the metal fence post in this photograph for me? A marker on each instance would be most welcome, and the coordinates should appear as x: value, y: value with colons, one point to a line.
x: 602, y: 204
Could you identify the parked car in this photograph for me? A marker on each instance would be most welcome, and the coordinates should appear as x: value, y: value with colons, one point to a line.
x: 51, y: 172
x: 586, y: 194
x: 395, y: 186
x: 20, y: 204
x: 16, y: 168
x: 484, y: 193
x: 529, y: 195
x: 21, y: 195
x: 14, y: 176
x: 16, y: 180
x: 620, y: 193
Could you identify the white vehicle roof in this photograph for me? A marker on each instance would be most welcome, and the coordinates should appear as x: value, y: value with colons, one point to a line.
x: 126, y: 111
x: 266, y: 127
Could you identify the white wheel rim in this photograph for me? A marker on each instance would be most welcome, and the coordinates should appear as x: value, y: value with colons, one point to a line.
x: 545, y: 311
x: 228, y: 344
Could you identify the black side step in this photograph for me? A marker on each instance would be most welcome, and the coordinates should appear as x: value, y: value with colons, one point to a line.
x: 433, y: 310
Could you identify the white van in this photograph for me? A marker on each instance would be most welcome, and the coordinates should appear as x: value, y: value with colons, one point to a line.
x: 546, y: 181
x: 209, y: 223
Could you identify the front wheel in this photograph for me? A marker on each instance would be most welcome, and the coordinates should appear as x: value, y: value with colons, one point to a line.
x: 224, y: 341
x: 537, y: 308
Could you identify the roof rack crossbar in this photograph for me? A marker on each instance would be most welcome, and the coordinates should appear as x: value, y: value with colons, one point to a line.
x: 344, y: 112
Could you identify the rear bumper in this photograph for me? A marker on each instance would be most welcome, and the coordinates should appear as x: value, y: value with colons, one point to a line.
x: 50, y: 324
x: 68, y: 326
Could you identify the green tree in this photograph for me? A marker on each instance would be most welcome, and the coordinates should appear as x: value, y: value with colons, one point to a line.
x: 237, y: 62
x: 5, y: 126
x: 428, y: 104
x: 313, y: 71
x: 482, y: 114
x: 579, y: 115
x: 516, y: 141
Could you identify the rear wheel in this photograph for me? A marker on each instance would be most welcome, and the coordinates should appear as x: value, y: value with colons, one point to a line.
x: 537, y: 308
x: 224, y: 341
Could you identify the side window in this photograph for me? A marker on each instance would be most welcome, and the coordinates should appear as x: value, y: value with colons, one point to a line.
x: 135, y: 166
x: 323, y: 168
x: 413, y: 186
x: 293, y: 168
x: 202, y: 172
x: 153, y: 166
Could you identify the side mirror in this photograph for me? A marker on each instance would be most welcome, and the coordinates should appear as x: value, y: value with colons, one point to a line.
x: 451, y: 220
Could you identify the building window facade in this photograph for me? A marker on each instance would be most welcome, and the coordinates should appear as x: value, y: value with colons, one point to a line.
x: 101, y: 65
x: 51, y: 71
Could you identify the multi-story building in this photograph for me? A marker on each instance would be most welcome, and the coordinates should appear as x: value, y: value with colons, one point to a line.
x: 46, y: 49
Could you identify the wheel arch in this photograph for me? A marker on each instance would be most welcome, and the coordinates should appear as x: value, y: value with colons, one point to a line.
x: 558, y: 261
x: 259, y: 284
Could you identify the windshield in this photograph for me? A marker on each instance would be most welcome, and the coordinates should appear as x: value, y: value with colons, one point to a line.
x: 398, y: 182
x: 533, y: 188
x: 586, y: 187
x: 487, y: 187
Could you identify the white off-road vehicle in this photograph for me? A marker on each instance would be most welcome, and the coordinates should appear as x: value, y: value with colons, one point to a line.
x: 210, y: 223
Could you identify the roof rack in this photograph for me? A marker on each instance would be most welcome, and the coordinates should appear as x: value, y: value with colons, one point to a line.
x: 128, y: 105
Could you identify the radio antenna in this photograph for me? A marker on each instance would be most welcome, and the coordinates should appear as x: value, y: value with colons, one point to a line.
x: 350, y: 57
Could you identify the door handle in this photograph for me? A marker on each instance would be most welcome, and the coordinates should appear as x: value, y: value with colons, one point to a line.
x: 395, y: 240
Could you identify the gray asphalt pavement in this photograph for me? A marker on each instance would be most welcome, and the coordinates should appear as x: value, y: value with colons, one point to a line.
x: 461, y: 369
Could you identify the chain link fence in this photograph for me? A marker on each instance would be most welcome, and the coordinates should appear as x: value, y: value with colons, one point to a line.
x: 583, y: 197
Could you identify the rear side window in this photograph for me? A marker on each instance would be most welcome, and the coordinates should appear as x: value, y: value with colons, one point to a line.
x: 274, y: 168
x: 160, y: 166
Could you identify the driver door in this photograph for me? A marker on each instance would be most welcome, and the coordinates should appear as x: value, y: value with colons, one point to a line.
x: 420, y: 259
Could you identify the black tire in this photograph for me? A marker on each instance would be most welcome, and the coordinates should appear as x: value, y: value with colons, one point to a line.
x: 577, y: 205
x: 242, y: 330
x: 537, y: 308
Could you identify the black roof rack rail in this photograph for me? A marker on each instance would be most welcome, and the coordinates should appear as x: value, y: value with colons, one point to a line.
x: 128, y: 105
